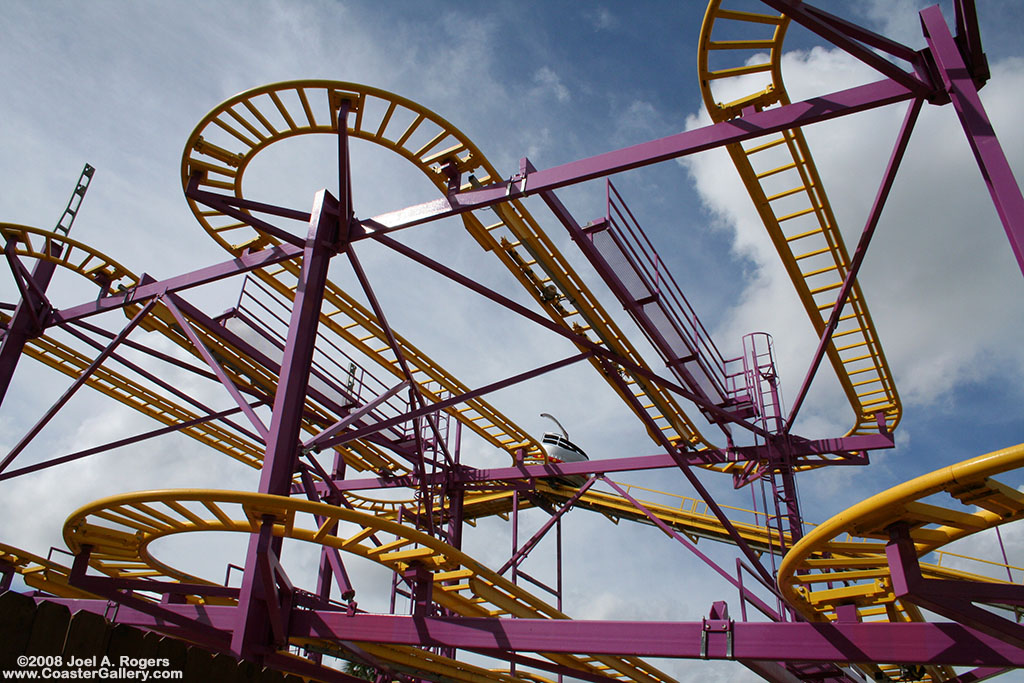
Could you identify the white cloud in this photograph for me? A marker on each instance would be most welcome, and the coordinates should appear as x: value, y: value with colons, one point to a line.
x: 549, y: 83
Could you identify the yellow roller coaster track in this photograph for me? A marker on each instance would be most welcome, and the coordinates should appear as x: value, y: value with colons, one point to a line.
x: 30, y: 242
x: 783, y: 182
x: 843, y: 561
x: 120, y: 530
x: 229, y: 138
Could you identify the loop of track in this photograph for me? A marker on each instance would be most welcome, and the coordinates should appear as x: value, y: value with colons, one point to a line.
x: 784, y: 184
x: 121, y: 528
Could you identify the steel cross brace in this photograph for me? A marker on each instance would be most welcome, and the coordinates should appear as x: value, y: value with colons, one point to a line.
x: 858, y: 256
x: 76, y: 385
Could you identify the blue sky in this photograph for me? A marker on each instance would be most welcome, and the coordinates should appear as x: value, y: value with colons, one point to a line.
x: 121, y: 85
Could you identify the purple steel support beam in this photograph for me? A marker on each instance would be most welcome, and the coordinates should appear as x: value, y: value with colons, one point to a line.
x: 415, y: 396
x: 968, y: 37
x: 216, y: 201
x: 747, y: 127
x: 577, y: 339
x: 75, y: 386
x: 858, y: 256
x: 355, y: 416
x: 362, y: 432
x: 948, y: 598
x: 995, y: 169
x: 684, y: 466
x: 151, y: 288
x: 22, y: 325
x: 536, y: 538
x: 912, y: 643
x: 118, y: 444
x: 692, y: 547
x: 331, y: 564
x: 846, y: 36
x: 469, y: 475
x: 170, y: 301
x: 163, y: 384
x: 254, y: 615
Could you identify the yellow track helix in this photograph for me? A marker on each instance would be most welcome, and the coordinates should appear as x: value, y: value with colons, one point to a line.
x: 843, y: 561
x: 782, y: 180
x: 229, y: 138
x: 121, y: 528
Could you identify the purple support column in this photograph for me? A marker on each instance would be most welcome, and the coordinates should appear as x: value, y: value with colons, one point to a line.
x: 253, y: 627
x: 995, y: 169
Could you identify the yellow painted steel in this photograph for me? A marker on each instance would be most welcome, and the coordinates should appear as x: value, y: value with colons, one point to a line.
x: 120, y: 530
x: 843, y: 562
x: 227, y: 140
x: 77, y: 257
x: 783, y: 182
x: 41, y: 573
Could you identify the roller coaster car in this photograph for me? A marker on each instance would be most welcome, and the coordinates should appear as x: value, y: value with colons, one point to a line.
x: 559, y: 449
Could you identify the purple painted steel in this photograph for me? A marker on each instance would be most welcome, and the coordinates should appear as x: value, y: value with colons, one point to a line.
x: 117, y: 444
x: 952, y: 599
x: 522, y: 552
x: 757, y: 124
x: 858, y: 255
x: 577, y: 339
x: 995, y: 169
x: 692, y: 547
x: 22, y: 324
x: 255, y: 613
x: 217, y: 203
x: 317, y: 440
x: 332, y: 567
x: 469, y: 475
x: 914, y: 643
x: 75, y: 386
x: 837, y: 33
x: 170, y: 301
x: 363, y: 432
x: 152, y: 288
x: 716, y: 510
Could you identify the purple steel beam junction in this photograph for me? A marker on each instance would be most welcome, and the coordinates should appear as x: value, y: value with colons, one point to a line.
x: 242, y: 264
x: 469, y: 475
x: 952, y: 599
x: 995, y: 169
x: 847, y: 37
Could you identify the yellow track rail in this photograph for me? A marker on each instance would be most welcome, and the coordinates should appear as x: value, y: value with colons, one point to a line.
x: 783, y: 182
x: 121, y: 528
x: 843, y: 561
x: 228, y: 139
